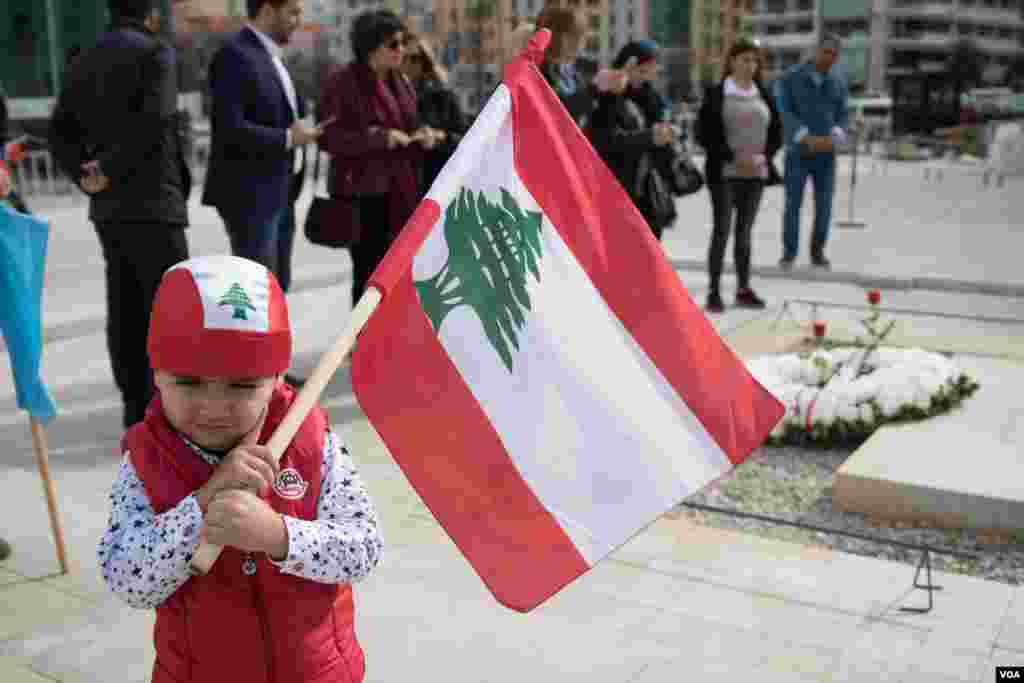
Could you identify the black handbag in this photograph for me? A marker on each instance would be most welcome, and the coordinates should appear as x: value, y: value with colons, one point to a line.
x: 683, y: 176
x: 656, y: 203
x: 333, y: 222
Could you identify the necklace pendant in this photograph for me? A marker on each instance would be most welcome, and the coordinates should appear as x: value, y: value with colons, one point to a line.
x: 249, y: 565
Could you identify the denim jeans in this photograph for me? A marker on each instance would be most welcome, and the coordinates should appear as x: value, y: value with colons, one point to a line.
x: 821, y: 170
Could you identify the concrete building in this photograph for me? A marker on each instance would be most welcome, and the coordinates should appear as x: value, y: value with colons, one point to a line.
x: 627, y: 20
x: 669, y: 24
x: 474, y: 35
x: 714, y: 27
x: 36, y: 38
x: 898, y: 38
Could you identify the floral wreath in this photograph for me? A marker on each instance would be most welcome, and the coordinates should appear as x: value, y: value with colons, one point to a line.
x: 841, y: 395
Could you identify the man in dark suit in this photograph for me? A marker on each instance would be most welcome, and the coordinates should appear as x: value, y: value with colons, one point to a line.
x: 115, y: 129
x: 257, y: 130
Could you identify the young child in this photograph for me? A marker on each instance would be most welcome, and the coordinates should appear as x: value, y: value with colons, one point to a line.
x: 277, y: 605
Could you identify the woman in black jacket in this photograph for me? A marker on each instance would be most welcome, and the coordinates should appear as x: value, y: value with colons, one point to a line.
x: 740, y: 130
x: 629, y: 141
x: 436, y: 106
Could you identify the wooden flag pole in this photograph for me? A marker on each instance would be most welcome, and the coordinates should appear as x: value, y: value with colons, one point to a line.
x: 43, y: 462
x: 207, y: 553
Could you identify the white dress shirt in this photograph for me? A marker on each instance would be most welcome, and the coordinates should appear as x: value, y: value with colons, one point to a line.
x: 275, y: 55
x: 286, y: 82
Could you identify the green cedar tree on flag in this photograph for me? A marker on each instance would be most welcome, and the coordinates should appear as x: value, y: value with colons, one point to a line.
x: 535, y: 366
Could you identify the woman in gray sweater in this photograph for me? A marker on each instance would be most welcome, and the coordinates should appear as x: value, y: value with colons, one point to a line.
x: 740, y: 130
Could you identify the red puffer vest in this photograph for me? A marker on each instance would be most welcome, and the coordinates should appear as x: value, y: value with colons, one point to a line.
x: 266, y: 628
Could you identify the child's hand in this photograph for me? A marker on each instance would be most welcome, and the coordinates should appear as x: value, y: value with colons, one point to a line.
x: 249, y: 467
x: 242, y: 520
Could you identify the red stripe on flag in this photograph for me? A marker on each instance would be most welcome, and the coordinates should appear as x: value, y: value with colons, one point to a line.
x: 618, y: 251
x: 404, y: 380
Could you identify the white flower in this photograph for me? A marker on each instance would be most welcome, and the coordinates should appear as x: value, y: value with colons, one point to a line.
x: 803, y: 402
x: 931, y: 382
x: 824, y: 408
x: 844, y: 354
x: 848, y: 411
x: 865, y: 388
x: 890, y: 402
x: 923, y: 400
x: 789, y: 368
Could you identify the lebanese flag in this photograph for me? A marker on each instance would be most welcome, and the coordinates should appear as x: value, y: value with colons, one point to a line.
x: 535, y: 366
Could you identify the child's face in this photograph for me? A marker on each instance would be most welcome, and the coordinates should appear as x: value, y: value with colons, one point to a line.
x: 214, y: 412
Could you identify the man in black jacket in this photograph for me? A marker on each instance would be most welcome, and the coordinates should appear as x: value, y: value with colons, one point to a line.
x: 115, y: 129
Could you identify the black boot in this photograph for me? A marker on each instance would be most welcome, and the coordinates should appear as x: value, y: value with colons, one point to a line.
x: 715, y: 303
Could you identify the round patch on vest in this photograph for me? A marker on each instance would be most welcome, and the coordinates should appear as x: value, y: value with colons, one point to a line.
x: 290, y: 484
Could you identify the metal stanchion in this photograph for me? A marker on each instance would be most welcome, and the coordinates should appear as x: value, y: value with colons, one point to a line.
x: 850, y: 222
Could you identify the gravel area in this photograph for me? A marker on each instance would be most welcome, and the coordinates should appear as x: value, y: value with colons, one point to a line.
x: 795, y: 484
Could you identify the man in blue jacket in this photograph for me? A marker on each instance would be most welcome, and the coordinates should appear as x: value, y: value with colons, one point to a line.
x: 814, y: 118
x: 256, y: 132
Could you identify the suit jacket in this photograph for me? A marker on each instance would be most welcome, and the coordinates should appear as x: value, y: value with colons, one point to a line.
x: 250, y: 168
x: 119, y: 106
x: 804, y: 104
x: 711, y: 134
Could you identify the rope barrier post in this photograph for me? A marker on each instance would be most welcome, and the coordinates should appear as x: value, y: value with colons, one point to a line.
x: 926, y: 562
x: 926, y: 550
x: 851, y: 222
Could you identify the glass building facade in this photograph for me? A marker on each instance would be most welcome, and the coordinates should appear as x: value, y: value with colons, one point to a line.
x: 37, y: 40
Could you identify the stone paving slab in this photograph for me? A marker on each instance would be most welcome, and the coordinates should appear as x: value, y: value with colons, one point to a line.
x: 677, y: 601
x: 896, y: 474
x: 109, y: 642
x: 26, y: 606
x: 16, y: 670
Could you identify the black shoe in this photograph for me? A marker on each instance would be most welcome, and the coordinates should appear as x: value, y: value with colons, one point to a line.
x: 746, y: 298
x: 715, y: 303
x: 296, y: 382
x: 786, y: 262
x: 819, y: 261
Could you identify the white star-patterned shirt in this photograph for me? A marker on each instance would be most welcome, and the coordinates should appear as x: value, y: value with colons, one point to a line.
x: 144, y: 557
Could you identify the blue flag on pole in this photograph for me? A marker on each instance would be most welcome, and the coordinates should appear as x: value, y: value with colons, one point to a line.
x: 22, y: 264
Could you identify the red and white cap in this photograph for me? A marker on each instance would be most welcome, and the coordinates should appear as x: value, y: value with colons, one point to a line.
x: 220, y: 316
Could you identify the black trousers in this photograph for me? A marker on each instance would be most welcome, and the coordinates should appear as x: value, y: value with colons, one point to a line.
x: 373, y: 243
x: 740, y: 197
x: 136, y: 256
